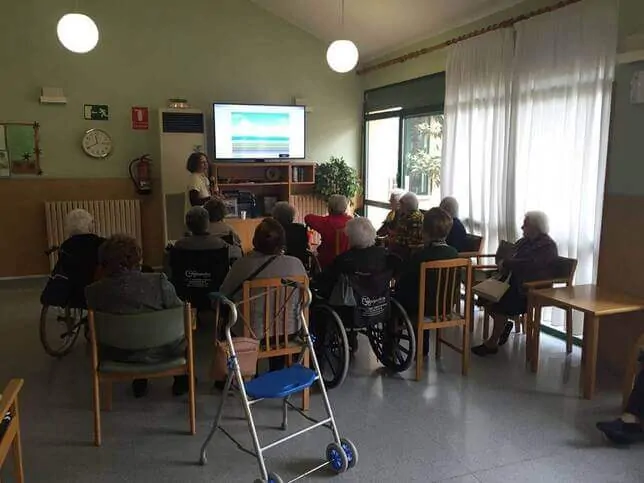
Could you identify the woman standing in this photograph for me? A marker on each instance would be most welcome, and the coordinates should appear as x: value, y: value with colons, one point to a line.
x: 201, y: 186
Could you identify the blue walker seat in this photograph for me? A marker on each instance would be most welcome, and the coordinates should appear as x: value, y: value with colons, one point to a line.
x: 282, y: 383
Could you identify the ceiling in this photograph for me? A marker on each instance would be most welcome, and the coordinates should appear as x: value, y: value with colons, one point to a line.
x: 381, y: 26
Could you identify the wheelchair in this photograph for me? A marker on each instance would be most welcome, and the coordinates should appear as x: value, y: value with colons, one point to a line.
x: 368, y: 309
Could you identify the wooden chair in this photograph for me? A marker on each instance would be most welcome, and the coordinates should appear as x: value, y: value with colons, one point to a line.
x: 447, y: 276
x: 10, y: 428
x: 270, y: 306
x: 631, y: 370
x: 473, y: 246
x: 139, y: 332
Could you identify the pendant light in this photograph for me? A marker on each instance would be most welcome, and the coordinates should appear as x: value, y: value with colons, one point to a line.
x: 342, y: 55
x: 77, y: 32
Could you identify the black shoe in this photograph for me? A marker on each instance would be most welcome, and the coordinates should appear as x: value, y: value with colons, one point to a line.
x: 506, y: 333
x: 619, y: 432
x: 483, y: 350
x: 180, y: 385
x: 140, y: 387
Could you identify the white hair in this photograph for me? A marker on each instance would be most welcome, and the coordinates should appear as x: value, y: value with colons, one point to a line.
x: 396, y: 193
x: 450, y: 205
x: 539, y: 220
x: 337, y: 204
x: 409, y: 200
x: 78, y: 222
x: 284, y: 212
x: 360, y: 232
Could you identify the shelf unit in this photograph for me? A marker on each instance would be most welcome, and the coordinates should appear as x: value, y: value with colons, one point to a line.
x: 284, y: 180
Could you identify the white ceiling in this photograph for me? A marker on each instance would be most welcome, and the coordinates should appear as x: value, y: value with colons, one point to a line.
x: 381, y: 26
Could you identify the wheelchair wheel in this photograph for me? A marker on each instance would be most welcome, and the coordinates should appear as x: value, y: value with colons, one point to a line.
x: 331, y: 345
x: 59, y: 329
x: 394, y: 343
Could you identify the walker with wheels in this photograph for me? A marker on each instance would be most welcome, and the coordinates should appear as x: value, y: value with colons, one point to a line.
x: 340, y: 455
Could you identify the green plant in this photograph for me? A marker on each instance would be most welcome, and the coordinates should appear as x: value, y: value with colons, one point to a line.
x: 336, y: 177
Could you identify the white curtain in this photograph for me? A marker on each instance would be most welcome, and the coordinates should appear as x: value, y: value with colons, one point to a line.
x: 477, y: 118
x: 563, y: 76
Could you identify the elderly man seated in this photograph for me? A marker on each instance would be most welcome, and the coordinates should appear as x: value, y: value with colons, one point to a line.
x: 297, y: 239
x: 218, y: 227
x: 457, y: 237
x: 533, y: 257
x: 408, y: 234
x: 198, y: 221
x: 331, y: 229
x: 389, y: 225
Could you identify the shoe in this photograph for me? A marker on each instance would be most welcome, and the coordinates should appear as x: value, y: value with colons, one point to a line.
x: 180, y: 385
x: 483, y: 350
x: 140, y: 388
x: 621, y: 433
x: 506, y: 333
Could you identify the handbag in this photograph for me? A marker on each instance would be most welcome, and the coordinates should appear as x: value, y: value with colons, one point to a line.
x: 342, y: 293
x: 492, y: 289
x: 246, y: 348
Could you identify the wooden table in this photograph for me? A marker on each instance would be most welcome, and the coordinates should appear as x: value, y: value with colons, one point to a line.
x: 595, y: 302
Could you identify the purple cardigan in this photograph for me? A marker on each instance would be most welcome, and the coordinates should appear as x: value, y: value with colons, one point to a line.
x: 532, y: 260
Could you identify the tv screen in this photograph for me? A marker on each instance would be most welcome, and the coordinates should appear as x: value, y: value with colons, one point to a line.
x: 244, y: 131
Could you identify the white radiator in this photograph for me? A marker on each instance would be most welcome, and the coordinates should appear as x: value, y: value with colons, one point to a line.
x: 110, y: 217
x: 306, y: 205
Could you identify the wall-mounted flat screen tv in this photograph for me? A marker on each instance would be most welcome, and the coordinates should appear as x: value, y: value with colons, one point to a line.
x: 255, y: 131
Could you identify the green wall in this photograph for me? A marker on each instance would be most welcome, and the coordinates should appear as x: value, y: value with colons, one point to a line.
x: 152, y: 50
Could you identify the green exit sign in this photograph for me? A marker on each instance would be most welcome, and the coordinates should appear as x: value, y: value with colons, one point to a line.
x: 97, y: 112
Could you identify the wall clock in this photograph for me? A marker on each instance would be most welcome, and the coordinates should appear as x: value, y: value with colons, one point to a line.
x: 97, y: 143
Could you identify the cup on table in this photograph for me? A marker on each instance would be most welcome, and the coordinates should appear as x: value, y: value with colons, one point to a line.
x: 242, y: 215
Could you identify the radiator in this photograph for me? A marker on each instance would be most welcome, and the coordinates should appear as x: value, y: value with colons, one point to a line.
x: 309, y: 204
x: 110, y: 217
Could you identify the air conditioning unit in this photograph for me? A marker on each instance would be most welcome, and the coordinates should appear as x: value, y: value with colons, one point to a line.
x: 182, y: 133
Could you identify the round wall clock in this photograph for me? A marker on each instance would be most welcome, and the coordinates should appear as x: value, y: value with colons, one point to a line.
x: 97, y: 143
x: 273, y: 174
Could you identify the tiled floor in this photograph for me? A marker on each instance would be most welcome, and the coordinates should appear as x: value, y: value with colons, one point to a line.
x: 499, y: 424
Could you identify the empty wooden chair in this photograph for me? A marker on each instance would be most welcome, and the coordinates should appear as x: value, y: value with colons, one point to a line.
x: 444, y: 309
x: 10, y: 428
x: 141, y: 331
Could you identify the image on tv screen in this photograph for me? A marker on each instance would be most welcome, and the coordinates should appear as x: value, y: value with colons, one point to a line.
x: 258, y: 132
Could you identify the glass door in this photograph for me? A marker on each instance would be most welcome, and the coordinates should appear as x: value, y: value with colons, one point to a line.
x: 382, y: 153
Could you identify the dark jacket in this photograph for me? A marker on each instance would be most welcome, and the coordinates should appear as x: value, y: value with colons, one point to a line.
x: 532, y: 260
x: 457, y: 236
x: 408, y: 286
x: 297, y: 241
x: 78, y: 260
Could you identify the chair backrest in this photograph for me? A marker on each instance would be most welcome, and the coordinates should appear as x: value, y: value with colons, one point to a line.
x: 196, y: 273
x: 312, y: 264
x: 565, y: 269
x: 273, y: 309
x: 9, y: 418
x: 145, y: 330
x: 473, y: 245
x: 439, y: 288
x: 341, y: 242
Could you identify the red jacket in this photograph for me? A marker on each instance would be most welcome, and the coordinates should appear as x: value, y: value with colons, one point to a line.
x: 328, y: 227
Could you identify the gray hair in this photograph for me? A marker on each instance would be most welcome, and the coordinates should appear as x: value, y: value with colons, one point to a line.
x: 338, y: 204
x: 78, y: 222
x: 361, y: 233
x: 197, y: 220
x: 450, y: 205
x: 409, y: 200
x: 284, y: 212
x: 396, y: 193
x: 539, y: 220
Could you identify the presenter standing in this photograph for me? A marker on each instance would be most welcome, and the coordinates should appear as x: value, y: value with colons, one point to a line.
x: 201, y: 185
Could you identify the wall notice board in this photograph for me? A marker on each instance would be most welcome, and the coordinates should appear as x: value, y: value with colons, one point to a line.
x: 19, y: 148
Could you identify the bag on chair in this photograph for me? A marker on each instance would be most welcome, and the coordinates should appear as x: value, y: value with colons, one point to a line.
x: 342, y: 293
x: 492, y: 289
x: 246, y: 348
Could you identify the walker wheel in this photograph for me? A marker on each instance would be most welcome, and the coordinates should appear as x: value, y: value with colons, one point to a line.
x: 351, y: 452
x: 272, y: 478
x: 337, y: 458
x: 203, y: 460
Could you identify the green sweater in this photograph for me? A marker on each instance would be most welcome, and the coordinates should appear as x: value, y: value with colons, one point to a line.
x: 407, y: 290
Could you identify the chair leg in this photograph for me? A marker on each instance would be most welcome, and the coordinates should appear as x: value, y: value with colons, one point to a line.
x: 438, y: 344
x: 17, y: 449
x: 192, y: 403
x: 486, y: 324
x: 419, y: 351
x: 306, y: 394
x: 465, y: 354
x: 107, y: 395
x: 568, y: 331
x: 97, y: 410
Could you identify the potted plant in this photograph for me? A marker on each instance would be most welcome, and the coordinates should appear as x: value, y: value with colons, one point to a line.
x: 336, y: 177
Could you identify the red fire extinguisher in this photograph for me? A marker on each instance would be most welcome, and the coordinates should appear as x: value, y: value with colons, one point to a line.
x: 140, y: 172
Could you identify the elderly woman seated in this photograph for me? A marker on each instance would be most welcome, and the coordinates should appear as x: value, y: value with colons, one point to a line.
x: 218, y: 227
x: 435, y: 228
x: 389, y: 225
x: 532, y: 258
x: 457, y: 237
x: 408, y: 235
x: 124, y: 289
x: 198, y: 222
x: 77, y: 260
x: 297, y: 239
x: 331, y: 229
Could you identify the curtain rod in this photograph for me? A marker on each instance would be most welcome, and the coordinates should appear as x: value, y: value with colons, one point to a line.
x: 490, y: 28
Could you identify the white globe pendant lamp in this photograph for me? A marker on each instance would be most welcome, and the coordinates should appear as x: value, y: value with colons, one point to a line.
x: 342, y: 55
x: 77, y: 32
